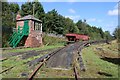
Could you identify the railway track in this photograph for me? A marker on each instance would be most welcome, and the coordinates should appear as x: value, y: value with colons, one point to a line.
x: 7, y: 69
x: 79, y: 59
x: 25, y: 54
x: 74, y: 48
x: 75, y: 73
x: 45, y: 58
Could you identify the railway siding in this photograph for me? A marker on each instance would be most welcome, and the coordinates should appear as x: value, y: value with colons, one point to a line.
x: 59, y: 59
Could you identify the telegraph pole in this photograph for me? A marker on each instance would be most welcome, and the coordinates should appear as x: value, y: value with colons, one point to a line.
x: 33, y: 8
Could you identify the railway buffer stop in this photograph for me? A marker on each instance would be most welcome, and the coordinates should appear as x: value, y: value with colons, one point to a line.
x: 29, y: 30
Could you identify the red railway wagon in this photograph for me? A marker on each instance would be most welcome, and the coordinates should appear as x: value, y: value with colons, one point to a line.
x: 76, y: 37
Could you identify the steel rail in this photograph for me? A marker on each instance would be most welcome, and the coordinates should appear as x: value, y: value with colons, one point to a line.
x: 40, y: 65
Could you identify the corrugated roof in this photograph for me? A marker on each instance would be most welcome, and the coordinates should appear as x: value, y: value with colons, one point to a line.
x: 29, y: 17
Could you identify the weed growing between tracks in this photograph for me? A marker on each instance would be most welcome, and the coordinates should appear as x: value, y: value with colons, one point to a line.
x: 92, y: 57
x: 54, y: 73
x: 97, y: 67
x: 20, y: 67
x: 37, y: 49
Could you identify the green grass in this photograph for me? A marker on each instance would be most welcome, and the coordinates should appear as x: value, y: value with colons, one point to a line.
x: 16, y: 72
x: 49, y: 40
x: 19, y: 66
x: 54, y: 73
x: 94, y: 64
x: 19, y: 63
x: 91, y: 60
x: 37, y: 49
x: 49, y: 43
x: 18, y: 69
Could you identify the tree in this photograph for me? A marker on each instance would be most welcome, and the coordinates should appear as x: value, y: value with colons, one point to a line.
x: 9, y: 11
x: 94, y: 32
x: 51, y: 21
x: 27, y: 9
x: 82, y: 26
x: 76, y: 30
x: 101, y: 33
x: 38, y: 10
x: 79, y: 24
x: 69, y: 26
x: 14, y: 9
x: 54, y: 22
x: 108, y: 35
x: 6, y: 15
x: 116, y: 33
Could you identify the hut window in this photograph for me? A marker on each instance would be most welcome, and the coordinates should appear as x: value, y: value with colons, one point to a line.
x: 36, y: 26
x: 39, y: 27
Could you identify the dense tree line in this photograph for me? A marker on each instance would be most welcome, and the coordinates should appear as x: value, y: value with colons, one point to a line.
x: 9, y: 11
x: 53, y: 22
x: 116, y: 33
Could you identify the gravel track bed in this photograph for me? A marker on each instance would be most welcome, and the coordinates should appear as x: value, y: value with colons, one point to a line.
x: 37, y: 60
x: 25, y: 54
x: 64, y: 58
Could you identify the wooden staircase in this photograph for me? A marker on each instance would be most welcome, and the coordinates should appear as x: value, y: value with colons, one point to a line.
x: 19, y: 34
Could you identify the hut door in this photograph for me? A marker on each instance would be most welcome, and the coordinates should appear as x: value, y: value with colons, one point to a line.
x: 26, y: 28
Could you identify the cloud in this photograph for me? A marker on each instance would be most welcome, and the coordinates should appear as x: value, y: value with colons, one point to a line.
x: 72, y: 11
x: 110, y: 26
x: 113, y: 12
x: 74, y: 18
x: 112, y: 23
x: 94, y: 20
x: 77, y: 17
x: 91, y: 20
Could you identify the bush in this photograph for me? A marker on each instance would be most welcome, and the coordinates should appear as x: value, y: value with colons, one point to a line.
x: 49, y: 40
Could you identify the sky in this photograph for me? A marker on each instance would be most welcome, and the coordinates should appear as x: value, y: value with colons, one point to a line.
x: 99, y: 14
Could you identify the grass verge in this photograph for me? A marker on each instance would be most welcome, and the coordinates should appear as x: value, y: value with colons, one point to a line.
x: 37, y: 49
x: 95, y: 65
